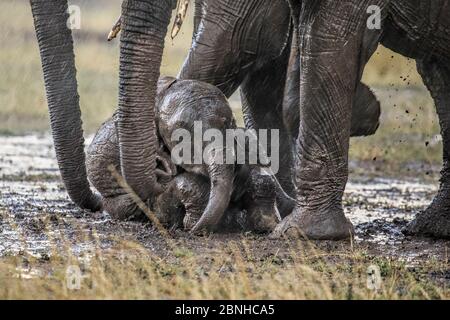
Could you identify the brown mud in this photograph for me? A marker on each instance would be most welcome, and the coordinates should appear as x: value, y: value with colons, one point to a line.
x: 36, y: 216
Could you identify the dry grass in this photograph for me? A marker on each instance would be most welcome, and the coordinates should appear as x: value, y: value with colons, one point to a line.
x: 245, y: 267
x: 132, y: 272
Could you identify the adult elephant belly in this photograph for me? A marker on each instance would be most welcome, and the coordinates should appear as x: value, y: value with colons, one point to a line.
x: 418, y: 29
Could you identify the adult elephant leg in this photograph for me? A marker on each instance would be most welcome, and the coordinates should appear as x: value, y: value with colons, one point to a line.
x: 435, y: 220
x: 58, y: 63
x: 291, y: 114
x: 366, y: 108
x: 262, y: 104
x: 212, y: 58
x: 233, y: 37
x: 331, y: 39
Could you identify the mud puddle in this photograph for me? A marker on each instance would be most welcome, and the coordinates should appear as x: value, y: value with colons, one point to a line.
x: 37, y: 217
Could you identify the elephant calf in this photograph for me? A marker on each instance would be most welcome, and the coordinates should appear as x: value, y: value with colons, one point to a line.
x: 201, y: 197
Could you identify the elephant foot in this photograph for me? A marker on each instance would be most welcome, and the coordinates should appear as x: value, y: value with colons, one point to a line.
x: 330, y: 225
x: 262, y: 219
x: 434, y: 222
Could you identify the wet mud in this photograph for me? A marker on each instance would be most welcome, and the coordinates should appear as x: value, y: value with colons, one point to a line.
x: 37, y: 217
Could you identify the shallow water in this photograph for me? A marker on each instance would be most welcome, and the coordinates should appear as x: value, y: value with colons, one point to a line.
x: 38, y: 218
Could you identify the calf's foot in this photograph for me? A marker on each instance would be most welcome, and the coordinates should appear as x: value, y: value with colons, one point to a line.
x: 328, y: 225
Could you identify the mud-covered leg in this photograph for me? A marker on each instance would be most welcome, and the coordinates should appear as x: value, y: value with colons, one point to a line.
x: 331, y: 58
x: 262, y: 97
x: 366, y: 108
x: 435, y: 220
x: 184, y: 201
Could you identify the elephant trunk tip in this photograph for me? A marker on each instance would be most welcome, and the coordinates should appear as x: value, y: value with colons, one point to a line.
x: 93, y: 203
x: 222, y: 181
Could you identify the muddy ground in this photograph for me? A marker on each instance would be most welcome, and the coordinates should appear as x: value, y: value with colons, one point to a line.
x: 37, y: 217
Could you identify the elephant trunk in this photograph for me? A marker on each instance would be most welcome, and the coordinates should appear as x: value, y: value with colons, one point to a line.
x: 222, y: 178
x: 144, y: 26
x: 58, y: 63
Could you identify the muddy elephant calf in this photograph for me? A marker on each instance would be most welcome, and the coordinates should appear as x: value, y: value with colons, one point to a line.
x: 201, y: 196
